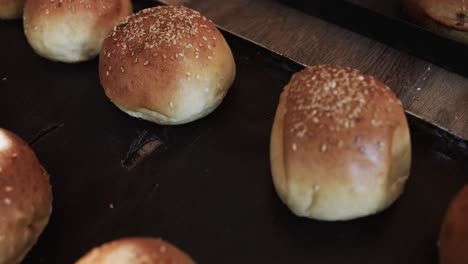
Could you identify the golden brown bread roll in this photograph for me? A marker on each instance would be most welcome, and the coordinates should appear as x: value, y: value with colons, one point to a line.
x: 453, y: 241
x: 166, y: 64
x: 340, y: 144
x: 71, y: 31
x: 136, y: 251
x: 25, y: 198
x: 11, y: 9
x: 445, y: 17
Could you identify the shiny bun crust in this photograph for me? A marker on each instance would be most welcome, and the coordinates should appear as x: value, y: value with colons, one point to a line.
x: 453, y: 239
x: 71, y: 30
x: 11, y: 9
x: 25, y: 198
x: 444, y: 17
x: 136, y: 251
x: 166, y: 64
x: 340, y: 144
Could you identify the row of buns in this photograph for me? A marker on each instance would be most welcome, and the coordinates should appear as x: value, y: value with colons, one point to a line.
x: 169, y: 65
x: 340, y: 143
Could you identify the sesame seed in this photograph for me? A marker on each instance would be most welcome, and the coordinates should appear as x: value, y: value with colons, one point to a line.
x: 157, y: 27
x: 294, y: 146
x: 111, y: 206
x: 8, y: 189
x: 7, y: 201
x: 323, y: 148
x: 376, y: 123
x: 162, y: 249
x: 146, y: 63
x: 210, y: 58
x: 171, y: 104
x: 122, y: 69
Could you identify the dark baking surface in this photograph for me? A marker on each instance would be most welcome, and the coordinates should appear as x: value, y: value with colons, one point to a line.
x: 384, y: 21
x: 207, y: 187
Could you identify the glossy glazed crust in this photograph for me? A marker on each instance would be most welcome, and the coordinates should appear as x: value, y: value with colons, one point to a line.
x: 340, y: 145
x: 25, y: 198
x: 167, y: 64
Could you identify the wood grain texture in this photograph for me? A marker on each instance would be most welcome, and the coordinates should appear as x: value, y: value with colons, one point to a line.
x: 426, y: 90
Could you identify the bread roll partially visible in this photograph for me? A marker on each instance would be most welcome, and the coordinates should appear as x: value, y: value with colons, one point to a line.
x: 71, y: 31
x: 166, y: 64
x: 136, y: 251
x: 453, y: 241
x: 25, y: 198
x: 11, y: 9
x: 444, y: 17
x: 340, y: 144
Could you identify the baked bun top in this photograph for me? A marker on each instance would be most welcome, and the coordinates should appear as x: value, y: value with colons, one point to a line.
x: 136, y: 251
x: 167, y: 61
x: 341, y: 107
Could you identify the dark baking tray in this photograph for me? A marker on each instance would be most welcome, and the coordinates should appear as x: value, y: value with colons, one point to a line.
x: 207, y: 187
x: 384, y: 21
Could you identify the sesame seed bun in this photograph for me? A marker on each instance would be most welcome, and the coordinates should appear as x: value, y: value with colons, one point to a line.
x: 453, y: 240
x: 11, y: 9
x: 25, y: 198
x: 136, y: 251
x: 166, y: 64
x: 71, y: 31
x: 340, y: 144
x: 447, y: 17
